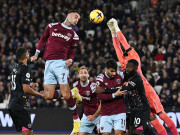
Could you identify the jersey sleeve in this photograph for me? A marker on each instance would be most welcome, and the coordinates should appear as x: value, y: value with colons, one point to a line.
x: 44, y: 38
x: 123, y: 40
x: 73, y: 47
x: 93, y: 87
x: 100, y: 81
x: 119, y: 52
x: 75, y: 84
x: 25, y: 75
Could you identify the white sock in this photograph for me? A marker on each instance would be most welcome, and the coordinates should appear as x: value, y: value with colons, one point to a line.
x: 76, y: 120
x: 72, y: 93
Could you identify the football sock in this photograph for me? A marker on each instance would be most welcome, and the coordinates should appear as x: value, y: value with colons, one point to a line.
x: 25, y: 129
x: 72, y: 106
x: 159, y: 127
x: 169, y: 123
x: 57, y: 94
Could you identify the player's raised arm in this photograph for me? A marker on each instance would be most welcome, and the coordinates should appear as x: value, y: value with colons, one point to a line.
x: 120, y: 36
x: 41, y: 43
x: 116, y: 44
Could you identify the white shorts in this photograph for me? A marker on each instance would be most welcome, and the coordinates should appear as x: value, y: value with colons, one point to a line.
x: 56, y: 71
x: 117, y: 121
x: 88, y: 126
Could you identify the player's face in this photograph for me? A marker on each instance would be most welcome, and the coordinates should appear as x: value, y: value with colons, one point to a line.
x: 83, y: 75
x: 111, y: 72
x: 130, y: 68
x: 73, y: 18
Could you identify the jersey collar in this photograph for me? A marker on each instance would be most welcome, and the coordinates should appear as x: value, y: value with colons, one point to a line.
x: 66, y: 26
x: 85, y: 85
x: 107, y: 75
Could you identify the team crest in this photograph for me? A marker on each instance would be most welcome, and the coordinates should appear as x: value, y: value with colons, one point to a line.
x: 29, y: 125
x: 118, y: 81
x: 69, y: 35
x: 102, y: 128
x: 87, y: 93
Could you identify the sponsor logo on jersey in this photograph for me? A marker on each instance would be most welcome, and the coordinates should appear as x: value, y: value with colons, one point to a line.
x: 87, y: 98
x: 132, y: 83
x: 106, y: 83
x: 60, y: 35
x: 28, y: 75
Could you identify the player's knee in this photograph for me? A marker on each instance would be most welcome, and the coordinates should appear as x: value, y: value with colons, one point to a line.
x: 153, y: 117
x: 66, y: 95
x: 49, y: 96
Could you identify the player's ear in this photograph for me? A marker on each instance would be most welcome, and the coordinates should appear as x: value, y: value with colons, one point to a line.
x: 78, y: 75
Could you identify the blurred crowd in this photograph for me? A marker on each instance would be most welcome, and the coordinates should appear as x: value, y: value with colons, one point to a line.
x: 154, y: 30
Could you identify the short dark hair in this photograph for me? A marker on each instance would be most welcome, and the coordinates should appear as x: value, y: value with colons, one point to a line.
x: 73, y: 11
x: 134, y: 62
x: 111, y: 63
x: 20, y: 53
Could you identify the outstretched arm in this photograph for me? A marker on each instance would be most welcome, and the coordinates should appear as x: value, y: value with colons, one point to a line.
x: 41, y: 43
x: 123, y: 40
x: 119, y: 51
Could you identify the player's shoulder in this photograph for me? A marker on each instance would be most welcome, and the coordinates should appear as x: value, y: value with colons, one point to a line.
x: 120, y: 73
x: 100, y: 77
x: 50, y: 25
x: 22, y: 67
x: 75, y: 84
x: 137, y: 76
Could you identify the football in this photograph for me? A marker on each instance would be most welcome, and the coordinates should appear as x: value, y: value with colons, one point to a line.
x: 96, y: 16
